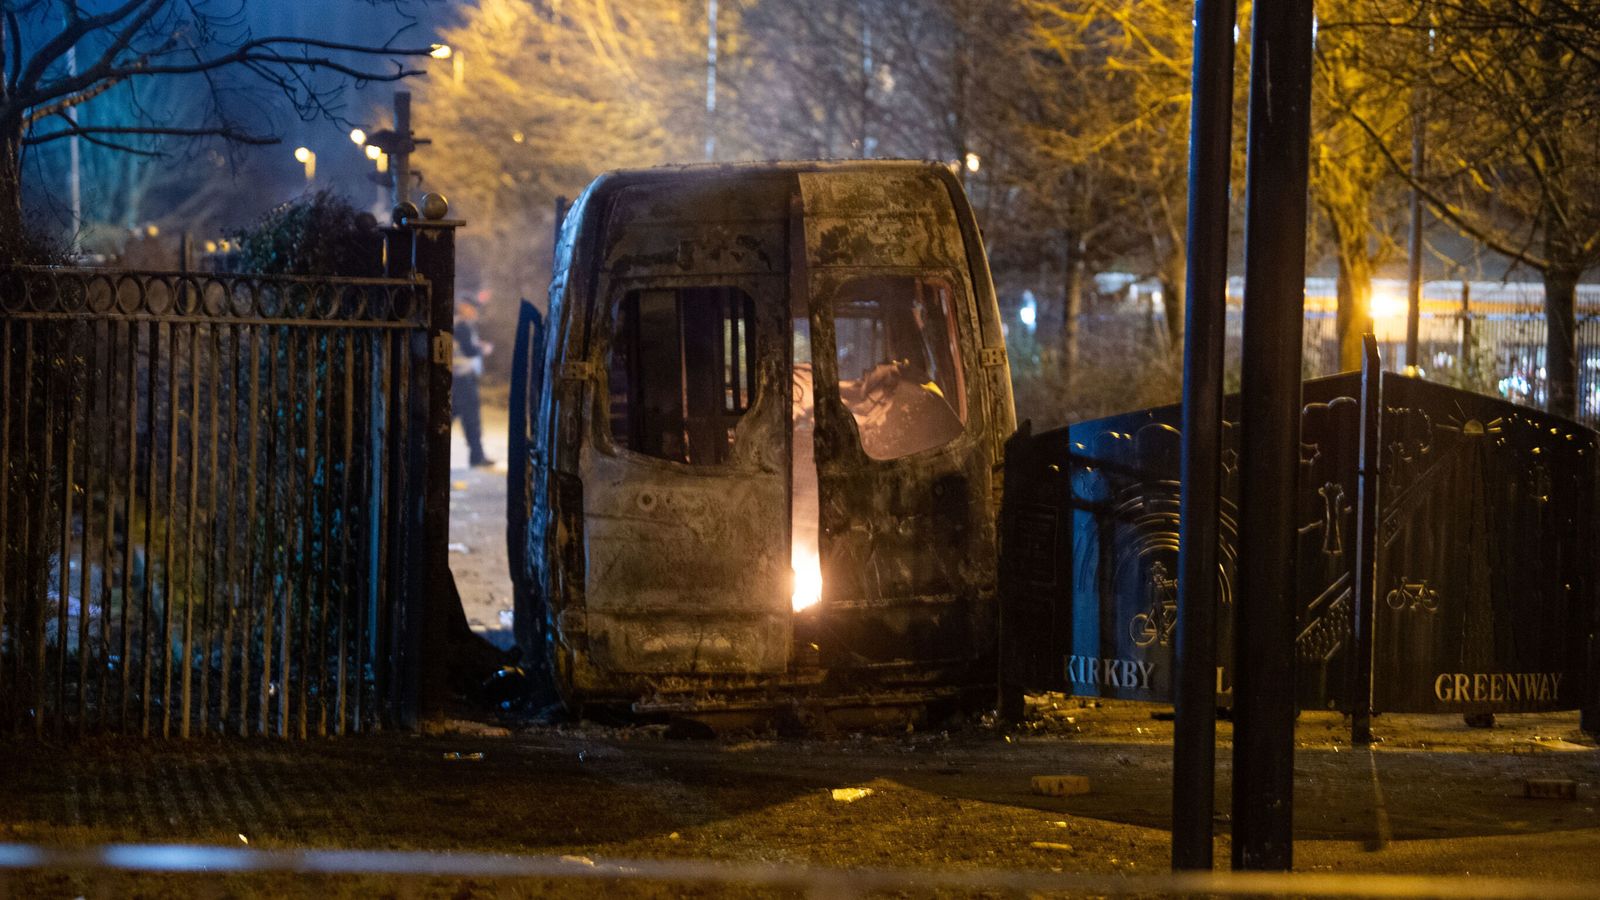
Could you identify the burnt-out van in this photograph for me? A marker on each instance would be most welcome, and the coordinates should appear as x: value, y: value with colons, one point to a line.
x: 756, y: 442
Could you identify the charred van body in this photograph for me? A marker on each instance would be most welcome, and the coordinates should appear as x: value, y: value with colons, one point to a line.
x: 760, y: 441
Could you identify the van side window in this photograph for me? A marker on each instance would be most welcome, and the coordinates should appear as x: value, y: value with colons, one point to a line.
x: 682, y: 371
x: 899, y: 358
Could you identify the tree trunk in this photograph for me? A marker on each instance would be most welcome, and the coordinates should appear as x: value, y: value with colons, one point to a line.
x: 1354, y: 290
x: 1174, y: 272
x: 12, y: 236
x: 1072, y: 310
x: 1561, y: 346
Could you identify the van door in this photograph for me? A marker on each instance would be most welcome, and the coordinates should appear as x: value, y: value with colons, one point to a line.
x: 906, y: 536
x: 684, y: 467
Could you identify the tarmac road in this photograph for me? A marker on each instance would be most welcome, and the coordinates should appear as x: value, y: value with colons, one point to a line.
x: 478, y: 526
x: 1450, y: 799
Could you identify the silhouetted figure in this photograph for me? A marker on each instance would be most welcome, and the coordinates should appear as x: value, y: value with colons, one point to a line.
x: 466, y: 368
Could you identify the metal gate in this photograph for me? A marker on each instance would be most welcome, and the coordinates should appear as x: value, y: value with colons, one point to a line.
x: 205, y: 522
x: 1484, y: 594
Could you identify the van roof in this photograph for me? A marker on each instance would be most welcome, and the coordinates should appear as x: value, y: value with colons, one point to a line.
x: 774, y: 167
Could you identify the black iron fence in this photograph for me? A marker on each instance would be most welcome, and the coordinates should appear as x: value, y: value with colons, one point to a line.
x: 205, y: 521
x: 1483, y: 593
x: 1485, y: 337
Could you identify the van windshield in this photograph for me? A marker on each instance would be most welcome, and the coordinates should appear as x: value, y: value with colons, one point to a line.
x: 899, y: 362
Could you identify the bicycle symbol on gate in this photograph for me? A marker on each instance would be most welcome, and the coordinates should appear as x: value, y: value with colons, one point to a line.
x: 1157, y: 623
x: 1413, y: 594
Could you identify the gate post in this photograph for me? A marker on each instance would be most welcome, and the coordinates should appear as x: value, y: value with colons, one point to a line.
x: 426, y: 247
x: 1269, y: 434
x: 1364, y: 588
x: 1194, y: 744
x: 1589, y: 716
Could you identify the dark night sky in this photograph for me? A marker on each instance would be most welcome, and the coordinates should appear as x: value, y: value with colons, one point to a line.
x: 260, y: 177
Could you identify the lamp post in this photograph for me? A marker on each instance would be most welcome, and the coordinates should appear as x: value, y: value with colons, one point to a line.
x: 399, y: 142
x: 306, y: 157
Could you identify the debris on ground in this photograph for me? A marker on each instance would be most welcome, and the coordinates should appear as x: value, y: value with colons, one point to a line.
x: 1060, y: 785
x: 463, y: 726
x: 457, y: 756
x: 1550, y: 743
x: 851, y: 795
x: 1550, y: 789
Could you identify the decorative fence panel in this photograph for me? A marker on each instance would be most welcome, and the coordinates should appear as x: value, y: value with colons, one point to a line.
x: 1486, y: 595
x: 204, y: 516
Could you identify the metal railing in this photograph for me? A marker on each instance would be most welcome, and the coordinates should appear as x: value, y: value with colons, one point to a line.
x: 1486, y: 337
x: 203, y: 504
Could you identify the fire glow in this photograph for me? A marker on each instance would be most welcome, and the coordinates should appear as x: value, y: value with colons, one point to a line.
x: 807, y: 575
x: 803, y: 541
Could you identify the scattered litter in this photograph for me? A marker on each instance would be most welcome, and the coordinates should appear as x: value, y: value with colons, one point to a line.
x: 458, y: 547
x: 851, y: 795
x: 580, y: 860
x: 243, y: 839
x: 1059, y: 823
x: 1550, y: 789
x: 463, y: 727
x: 1550, y: 743
x: 1060, y: 785
x: 454, y: 756
x: 673, y: 836
x: 1051, y: 845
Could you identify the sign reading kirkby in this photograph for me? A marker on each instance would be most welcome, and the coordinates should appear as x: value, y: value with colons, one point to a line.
x: 1124, y: 673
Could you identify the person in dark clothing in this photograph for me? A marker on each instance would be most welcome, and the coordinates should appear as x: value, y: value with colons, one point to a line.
x: 465, y: 370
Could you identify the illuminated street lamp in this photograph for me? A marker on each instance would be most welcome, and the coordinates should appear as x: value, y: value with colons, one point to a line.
x: 973, y: 162
x: 441, y: 51
x: 309, y: 159
x: 358, y: 137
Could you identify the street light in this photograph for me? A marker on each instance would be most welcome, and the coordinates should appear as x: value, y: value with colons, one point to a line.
x: 441, y: 51
x: 972, y: 162
x: 309, y: 159
x: 358, y: 137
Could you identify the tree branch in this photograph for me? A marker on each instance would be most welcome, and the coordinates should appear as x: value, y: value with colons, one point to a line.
x: 66, y: 103
x: 1446, y: 210
x: 121, y: 148
x: 16, y: 46
x: 221, y: 131
x: 76, y: 30
x: 244, y: 55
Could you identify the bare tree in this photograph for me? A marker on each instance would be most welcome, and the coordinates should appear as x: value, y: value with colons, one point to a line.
x: 1351, y: 184
x: 1513, y: 131
x: 552, y: 93
x: 1128, y: 119
x: 56, y: 55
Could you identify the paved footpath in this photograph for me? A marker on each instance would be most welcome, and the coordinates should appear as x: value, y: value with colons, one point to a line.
x: 478, y: 527
x: 1435, y: 798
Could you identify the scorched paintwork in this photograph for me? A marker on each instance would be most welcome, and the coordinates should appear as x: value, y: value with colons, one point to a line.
x: 660, y: 575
